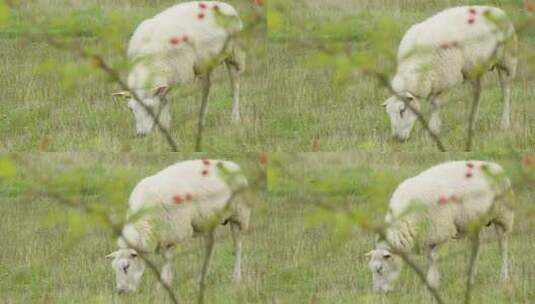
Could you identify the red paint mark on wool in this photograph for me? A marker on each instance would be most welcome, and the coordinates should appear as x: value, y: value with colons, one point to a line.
x: 206, y: 162
x: 178, y: 199
x: 174, y: 40
x: 200, y: 16
x: 442, y: 200
x: 204, y: 172
x: 472, y: 11
x: 470, y: 165
x: 202, y: 6
x: 468, y: 174
x: 471, y: 20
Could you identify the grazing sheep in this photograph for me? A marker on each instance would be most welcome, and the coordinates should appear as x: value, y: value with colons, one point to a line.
x: 176, y: 46
x: 455, y: 45
x: 442, y: 203
x: 187, y: 199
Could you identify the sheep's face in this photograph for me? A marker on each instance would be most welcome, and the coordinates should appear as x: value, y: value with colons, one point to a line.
x: 128, y: 267
x: 385, y: 268
x: 154, y: 100
x: 144, y: 122
x: 402, y: 119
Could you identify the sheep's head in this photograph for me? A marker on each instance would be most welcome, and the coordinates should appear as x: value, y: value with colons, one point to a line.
x: 402, y: 119
x: 154, y: 101
x: 128, y: 267
x: 385, y: 268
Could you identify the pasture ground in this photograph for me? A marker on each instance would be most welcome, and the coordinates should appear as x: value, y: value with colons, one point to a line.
x: 330, y: 106
x: 294, y: 252
x: 53, y: 110
x: 327, y: 250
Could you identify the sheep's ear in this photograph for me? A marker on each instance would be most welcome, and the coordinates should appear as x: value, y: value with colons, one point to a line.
x: 409, y: 96
x: 121, y: 95
x: 112, y: 255
x: 384, y: 103
x: 369, y: 253
x: 161, y: 91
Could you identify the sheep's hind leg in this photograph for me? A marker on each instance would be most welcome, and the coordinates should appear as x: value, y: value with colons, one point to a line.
x: 433, y: 276
x: 234, y: 75
x: 210, y: 239
x: 502, y: 242
x: 207, y: 83
x: 235, y: 229
x: 505, y: 83
x: 476, y: 87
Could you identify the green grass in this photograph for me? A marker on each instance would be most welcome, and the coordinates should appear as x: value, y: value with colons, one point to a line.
x: 329, y: 106
x: 293, y: 253
x: 332, y: 250
x: 69, y: 110
x: 290, y: 102
x: 51, y: 254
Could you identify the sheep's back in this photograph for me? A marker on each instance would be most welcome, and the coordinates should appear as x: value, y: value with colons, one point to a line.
x: 205, y: 35
x: 451, y: 184
x: 194, y: 184
x: 447, y: 41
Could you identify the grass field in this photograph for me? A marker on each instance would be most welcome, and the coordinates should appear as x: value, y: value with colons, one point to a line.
x: 289, y: 103
x: 51, y: 254
x: 331, y: 267
x: 325, y: 114
x: 38, y: 110
x: 293, y: 253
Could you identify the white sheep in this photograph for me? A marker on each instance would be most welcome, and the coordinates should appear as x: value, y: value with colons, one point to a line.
x: 184, y: 200
x: 444, y: 202
x: 179, y: 44
x: 455, y: 45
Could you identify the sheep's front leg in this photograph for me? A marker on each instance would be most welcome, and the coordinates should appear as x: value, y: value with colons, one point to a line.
x: 234, y: 75
x: 505, y: 83
x: 210, y: 239
x: 433, y: 276
x: 434, y: 121
x: 167, y: 270
x: 502, y: 242
x: 235, y: 229
x: 164, y: 114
